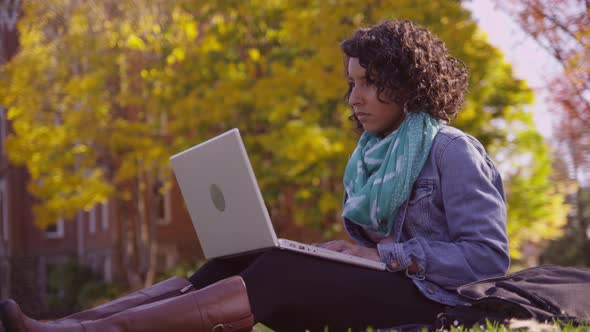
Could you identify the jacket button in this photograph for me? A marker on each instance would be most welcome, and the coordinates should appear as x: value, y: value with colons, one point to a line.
x: 430, y: 289
x: 394, y: 264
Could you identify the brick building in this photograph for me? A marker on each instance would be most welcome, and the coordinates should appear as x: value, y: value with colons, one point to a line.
x: 28, y: 253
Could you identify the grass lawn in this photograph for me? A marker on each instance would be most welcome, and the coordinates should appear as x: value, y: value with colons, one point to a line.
x: 515, y: 326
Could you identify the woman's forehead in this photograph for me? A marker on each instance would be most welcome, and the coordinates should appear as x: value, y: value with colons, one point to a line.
x: 355, y: 69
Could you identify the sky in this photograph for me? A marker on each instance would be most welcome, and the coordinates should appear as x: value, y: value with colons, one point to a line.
x: 529, y: 61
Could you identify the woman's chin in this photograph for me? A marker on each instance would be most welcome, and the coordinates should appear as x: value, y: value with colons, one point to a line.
x: 374, y: 131
x: 370, y: 129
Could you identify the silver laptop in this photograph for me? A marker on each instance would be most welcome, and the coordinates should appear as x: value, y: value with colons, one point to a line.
x: 226, y: 206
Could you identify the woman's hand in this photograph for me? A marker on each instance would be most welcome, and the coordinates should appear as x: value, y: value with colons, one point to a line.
x: 346, y: 247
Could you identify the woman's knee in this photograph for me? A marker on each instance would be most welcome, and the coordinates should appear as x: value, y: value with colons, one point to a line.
x: 285, y: 264
x: 273, y: 262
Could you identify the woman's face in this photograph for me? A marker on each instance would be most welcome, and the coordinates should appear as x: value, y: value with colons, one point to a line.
x: 374, y: 115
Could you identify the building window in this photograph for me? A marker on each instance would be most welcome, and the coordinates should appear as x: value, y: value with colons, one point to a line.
x: 56, y: 230
x: 9, y: 14
x: 3, y: 209
x: 104, y: 215
x: 92, y: 220
x: 162, y: 204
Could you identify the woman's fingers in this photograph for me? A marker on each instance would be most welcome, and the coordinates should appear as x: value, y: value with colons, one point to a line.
x: 347, y: 251
x: 350, y: 249
x: 337, y: 245
x: 340, y: 246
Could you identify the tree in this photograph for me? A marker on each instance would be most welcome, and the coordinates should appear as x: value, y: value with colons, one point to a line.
x: 569, y: 250
x: 101, y: 95
x: 562, y: 28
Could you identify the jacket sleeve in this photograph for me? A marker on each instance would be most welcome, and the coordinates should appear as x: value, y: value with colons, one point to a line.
x: 475, y: 210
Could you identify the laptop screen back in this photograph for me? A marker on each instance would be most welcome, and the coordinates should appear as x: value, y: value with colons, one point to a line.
x: 222, y: 196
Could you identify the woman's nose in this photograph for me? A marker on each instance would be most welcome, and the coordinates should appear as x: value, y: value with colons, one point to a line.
x: 355, y: 97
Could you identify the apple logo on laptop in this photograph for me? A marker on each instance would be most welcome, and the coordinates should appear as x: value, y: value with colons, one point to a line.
x: 217, y: 197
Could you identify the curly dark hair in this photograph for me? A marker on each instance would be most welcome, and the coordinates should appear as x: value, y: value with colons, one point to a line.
x: 411, y: 66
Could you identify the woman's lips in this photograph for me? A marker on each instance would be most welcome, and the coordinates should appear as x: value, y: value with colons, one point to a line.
x: 362, y: 116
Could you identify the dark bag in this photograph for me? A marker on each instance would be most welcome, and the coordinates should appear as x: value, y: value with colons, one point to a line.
x: 547, y: 293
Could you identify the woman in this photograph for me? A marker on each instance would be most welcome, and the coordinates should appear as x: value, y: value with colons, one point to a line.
x: 420, y: 196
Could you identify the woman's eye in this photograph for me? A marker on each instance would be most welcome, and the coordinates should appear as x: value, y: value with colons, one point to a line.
x: 351, y: 84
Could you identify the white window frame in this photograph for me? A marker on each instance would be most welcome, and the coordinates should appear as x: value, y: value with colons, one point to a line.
x: 9, y: 14
x: 92, y: 220
x: 104, y: 215
x: 59, y: 232
x: 167, y: 201
x: 167, y: 209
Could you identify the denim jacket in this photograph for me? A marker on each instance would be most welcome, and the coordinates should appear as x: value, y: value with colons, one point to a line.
x: 454, y: 223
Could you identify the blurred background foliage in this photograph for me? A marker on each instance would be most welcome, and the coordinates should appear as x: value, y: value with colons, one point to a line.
x: 71, y: 287
x: 101, y: 94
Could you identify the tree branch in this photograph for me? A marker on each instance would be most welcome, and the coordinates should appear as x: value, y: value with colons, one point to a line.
x: 556, y: 22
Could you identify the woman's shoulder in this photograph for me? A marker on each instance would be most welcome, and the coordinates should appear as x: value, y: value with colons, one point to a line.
x: 448, y: 134
x: 456, y: 139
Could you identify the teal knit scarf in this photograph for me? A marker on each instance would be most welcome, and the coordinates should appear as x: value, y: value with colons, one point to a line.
x: 381, y: 171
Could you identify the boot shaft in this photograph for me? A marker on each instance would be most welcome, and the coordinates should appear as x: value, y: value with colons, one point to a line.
x: 223, y: 306
x: 165, y: 289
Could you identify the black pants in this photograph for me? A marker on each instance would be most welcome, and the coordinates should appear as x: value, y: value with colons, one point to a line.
x: 294, y: 292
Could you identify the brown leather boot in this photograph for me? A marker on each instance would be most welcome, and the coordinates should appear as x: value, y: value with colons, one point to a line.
x: 165, y: 289
x: 223, y: 306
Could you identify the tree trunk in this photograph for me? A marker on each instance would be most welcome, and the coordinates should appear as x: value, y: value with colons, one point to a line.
x: 148, y: 229
x: 130, y: 240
